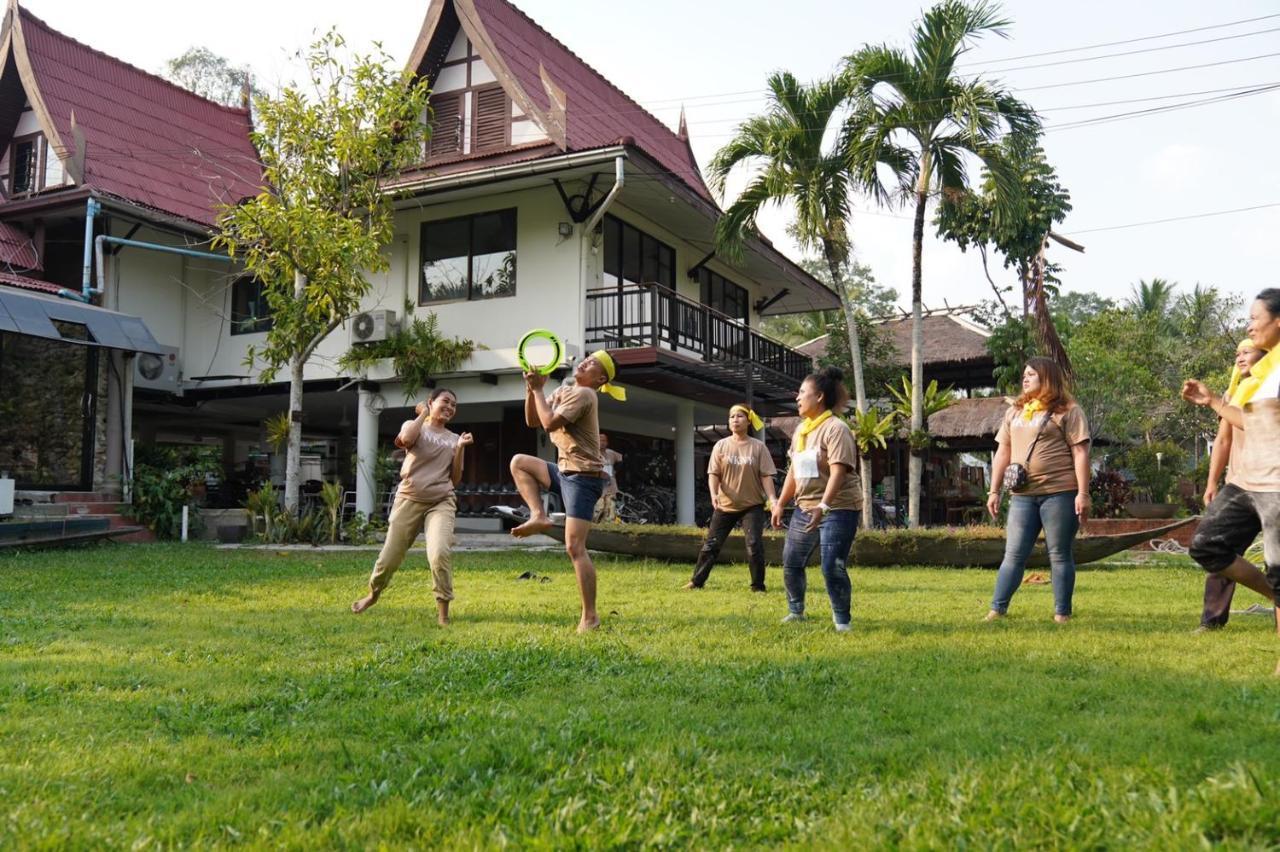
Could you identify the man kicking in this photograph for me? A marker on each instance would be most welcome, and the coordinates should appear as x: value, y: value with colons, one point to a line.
x: 572, y: 422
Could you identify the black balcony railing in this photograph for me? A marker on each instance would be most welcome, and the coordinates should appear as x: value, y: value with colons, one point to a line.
x: 653, y: 315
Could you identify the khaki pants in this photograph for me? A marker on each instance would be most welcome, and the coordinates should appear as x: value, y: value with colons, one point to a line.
x: 605, y: 508
x: 407, y: 519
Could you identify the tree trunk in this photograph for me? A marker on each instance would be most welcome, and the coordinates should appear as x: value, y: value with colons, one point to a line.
x: 293, y: 459
x: 855, y: 359
x: 915, y: 465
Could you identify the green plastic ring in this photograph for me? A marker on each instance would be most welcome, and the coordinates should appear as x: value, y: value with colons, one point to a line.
x: 556, y: 345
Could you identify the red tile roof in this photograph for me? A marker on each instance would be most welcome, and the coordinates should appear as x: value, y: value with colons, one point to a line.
x: 25, y: 283
x: 598, y: 113
x: 17, y: 249
x: 147, y: 140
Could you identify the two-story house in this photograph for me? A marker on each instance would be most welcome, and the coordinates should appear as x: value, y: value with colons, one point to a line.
x: 546, y: 198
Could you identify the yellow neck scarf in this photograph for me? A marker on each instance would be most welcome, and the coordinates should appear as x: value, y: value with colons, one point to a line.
x: 610, y: 370
x: 756, y: 422
x: 1029, y: 410
x: 1242, y: 390
x: 808, y: 426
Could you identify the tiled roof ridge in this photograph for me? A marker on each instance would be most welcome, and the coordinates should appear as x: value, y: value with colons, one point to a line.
x: 590, y: 68
x: 28, y: 16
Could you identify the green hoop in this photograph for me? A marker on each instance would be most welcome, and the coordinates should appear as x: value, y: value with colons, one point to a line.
x: 556, y: 345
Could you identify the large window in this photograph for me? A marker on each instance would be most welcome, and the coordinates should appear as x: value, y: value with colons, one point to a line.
x: 249, y: 310
x: 472, y: 257
x: 633, y: 257
x: 723, y: 295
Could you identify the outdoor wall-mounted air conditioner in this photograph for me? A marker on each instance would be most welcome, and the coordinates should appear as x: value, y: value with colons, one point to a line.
x: 373, y: 326
x: 158, y: 372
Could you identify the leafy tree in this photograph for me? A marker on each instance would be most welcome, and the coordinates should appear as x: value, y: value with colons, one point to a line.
x: 795, y: 166
x: 211, y: 76
x: 969, y: 219
x: 912, y: 110
x: 321, y: 220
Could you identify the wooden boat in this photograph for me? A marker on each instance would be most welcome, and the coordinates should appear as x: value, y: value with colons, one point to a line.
x: 959, y: 548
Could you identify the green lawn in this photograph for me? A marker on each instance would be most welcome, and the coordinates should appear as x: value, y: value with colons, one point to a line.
x: 182, y: 696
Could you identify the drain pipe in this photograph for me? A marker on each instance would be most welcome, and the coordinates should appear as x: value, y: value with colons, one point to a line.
x: 619, y: 180
x: 87, y: 290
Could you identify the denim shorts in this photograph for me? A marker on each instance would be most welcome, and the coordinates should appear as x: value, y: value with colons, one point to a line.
x: 579, y: 491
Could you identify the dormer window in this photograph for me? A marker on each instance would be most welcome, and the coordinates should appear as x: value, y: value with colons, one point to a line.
x: 25, y: 164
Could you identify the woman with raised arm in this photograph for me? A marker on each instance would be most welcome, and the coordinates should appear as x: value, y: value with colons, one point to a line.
x: 740, y: 479
x: 823, y: 480
x: 432, y: 467
x: 1047, y: 436
x: 1254, y: 409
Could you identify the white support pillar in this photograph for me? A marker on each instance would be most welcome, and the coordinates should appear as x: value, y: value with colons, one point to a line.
x: 366, y: 451
x: 684, y: 462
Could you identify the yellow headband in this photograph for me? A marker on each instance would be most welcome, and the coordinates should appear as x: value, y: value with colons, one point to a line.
x: 1246, y: 344
x: 756, y: 422
x: 610, y: 370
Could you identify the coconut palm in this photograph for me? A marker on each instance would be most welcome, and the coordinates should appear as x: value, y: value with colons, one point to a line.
x: 1152, y: 300
x: 800, y: 159
x: 914, y: 101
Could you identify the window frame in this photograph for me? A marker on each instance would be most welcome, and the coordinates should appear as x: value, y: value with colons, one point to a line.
x: 620, y: 261
x: 38, y: 154
x: 707, y: 279
x: 255, y: 325
x: 469, y: 218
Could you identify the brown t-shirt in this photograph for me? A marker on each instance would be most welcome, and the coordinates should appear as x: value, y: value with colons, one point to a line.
x: 579, y: 439
x: 424, y: 476
x: 740, y: 467
x: 1052, y: 467
x: 834, y: 444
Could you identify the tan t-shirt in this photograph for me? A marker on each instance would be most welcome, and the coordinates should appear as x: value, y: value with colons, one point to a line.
x: 740, y: 467
x: 1051, y: 469
x: 611, y: 458
x: 578, y: 441
x: 1259, y: 459
x: 424, y: 476
x: 833, y: 444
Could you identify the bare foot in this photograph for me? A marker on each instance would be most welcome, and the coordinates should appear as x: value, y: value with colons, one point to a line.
x: 993, y: 616
x: 533, y: 526
x: 365, y: 602
x: 690, y: 585
x: 1034, y: 579
x: 1277, y: 674
x: 587, y: 625
x: 1061, y: 619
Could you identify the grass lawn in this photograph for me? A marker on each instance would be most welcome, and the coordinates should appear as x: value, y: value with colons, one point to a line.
x: 161, y: 695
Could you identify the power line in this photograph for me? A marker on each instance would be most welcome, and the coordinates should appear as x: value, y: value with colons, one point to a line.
x: 1134, y: 40
x: 1175, y: 219
x: 1136, y: 52
x: 1107, y: 119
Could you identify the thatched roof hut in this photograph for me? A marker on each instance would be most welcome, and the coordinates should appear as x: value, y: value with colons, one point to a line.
x: 955, y: 349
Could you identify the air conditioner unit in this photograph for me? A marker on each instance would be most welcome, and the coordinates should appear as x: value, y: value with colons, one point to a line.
x: 158, y: 372
x: 373, y: 326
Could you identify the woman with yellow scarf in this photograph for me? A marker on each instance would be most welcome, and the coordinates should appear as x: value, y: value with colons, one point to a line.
x: 823, y: 480
x: 1046, y: 433
x: 740, y: 479
x: 1218, y: 528
x: 1254, y: 408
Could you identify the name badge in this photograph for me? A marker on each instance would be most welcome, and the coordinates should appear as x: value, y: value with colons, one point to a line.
x: 805, y: 464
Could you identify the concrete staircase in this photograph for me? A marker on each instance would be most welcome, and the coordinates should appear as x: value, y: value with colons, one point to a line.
x: 91, y: 504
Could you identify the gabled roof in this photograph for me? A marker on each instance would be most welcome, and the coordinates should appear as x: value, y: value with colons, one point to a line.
x: 947, y: 340
x: 124, y: 132
x: 575, y: 105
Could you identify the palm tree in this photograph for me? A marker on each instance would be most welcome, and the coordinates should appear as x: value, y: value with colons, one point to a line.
x: 795, y: 165
x: 1152, y: 299
x: 911, y: 108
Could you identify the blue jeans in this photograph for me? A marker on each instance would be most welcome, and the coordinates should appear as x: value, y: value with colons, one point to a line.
x: 835, y: 534
x: 1028, y: 513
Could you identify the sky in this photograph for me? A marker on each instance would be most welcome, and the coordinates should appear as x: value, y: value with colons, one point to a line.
x: 713, y: 57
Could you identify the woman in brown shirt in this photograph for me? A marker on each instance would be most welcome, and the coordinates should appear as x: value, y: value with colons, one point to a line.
x: 425, y: 498
x: 1047, y: 433
x: 823, y: 480
x: 740, y: 479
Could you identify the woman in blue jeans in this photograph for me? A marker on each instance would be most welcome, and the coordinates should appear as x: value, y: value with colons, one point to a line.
x: 823, y: 480
x: 1047, y: 433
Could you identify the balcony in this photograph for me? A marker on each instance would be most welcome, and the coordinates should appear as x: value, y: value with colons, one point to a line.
x: 670, y: 343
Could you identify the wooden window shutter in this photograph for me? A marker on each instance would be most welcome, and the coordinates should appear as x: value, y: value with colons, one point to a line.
x: 492, y: 119
x: 446, y: 125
